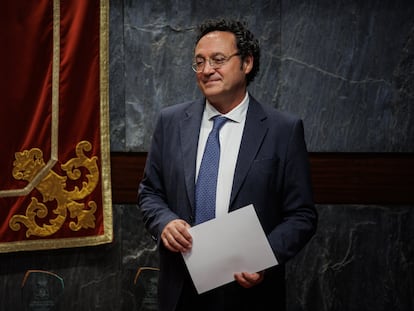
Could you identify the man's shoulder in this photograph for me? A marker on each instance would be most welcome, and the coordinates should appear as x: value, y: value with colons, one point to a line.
x: 274, y: 113
x: 181, y: 107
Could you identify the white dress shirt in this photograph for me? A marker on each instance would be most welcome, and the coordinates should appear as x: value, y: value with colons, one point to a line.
x: 230, y: 139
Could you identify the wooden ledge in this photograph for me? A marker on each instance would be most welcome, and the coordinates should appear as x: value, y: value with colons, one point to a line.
x: 338, y: 178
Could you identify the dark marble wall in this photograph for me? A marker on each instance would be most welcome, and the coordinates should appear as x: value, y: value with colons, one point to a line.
x: 345, y: 67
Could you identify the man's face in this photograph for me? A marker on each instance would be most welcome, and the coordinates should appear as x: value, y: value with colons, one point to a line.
x: 227, y: 83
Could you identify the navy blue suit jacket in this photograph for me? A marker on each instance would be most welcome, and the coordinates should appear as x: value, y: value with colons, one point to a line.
x: 272, y: 173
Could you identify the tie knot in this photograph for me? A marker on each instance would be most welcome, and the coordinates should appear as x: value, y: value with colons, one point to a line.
x: 218, y: 122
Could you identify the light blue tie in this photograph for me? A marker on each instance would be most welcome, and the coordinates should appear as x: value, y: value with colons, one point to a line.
x: 206, y: 184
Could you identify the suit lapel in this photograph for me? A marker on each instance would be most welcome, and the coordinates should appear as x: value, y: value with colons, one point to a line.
x: 189, y: 129
x: 254, y: 132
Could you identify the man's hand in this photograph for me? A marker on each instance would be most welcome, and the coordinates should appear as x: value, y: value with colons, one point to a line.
x: 176, y: 237
x: 248, y: 280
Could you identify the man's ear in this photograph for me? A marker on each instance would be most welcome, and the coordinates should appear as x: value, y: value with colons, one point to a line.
x: 248, y: 64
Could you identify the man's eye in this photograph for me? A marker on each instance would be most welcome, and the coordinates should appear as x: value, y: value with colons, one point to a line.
x: 199, y: 62
x: 219, y: 60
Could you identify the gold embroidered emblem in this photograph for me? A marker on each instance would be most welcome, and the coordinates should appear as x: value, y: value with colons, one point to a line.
x: 53, y: 188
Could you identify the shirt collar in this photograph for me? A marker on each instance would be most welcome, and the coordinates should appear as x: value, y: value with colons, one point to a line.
x: 237, y: 114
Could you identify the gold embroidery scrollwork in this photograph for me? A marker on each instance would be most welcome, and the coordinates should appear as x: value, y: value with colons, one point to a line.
x: 53, y: 188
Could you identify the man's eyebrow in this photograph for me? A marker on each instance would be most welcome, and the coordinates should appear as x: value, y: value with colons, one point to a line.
x: 211, y: 55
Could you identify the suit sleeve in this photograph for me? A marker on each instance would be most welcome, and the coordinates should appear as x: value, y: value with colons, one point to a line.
x: 299, y: 216
x: 152, y: 200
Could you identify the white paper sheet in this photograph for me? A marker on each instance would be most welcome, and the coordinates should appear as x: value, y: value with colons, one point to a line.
x: 226, y: 245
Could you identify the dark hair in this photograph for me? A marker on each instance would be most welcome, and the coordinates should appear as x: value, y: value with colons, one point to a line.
x: 245, y: 40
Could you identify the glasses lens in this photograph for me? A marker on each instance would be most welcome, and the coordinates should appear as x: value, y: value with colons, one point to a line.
x: 215, y: 62
x: 195, y: 67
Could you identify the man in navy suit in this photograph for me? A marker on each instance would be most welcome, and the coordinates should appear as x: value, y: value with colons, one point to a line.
x: 263, y: 161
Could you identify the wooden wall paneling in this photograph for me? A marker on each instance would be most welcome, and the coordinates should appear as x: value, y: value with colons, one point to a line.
x: 338, y: 178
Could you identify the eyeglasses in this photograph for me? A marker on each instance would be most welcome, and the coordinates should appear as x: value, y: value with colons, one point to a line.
x: 217, y: 61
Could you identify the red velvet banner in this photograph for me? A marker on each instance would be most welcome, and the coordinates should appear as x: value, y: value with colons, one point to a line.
x: 55, y: 189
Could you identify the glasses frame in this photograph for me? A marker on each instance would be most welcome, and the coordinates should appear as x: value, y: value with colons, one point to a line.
x: 213, y: 63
